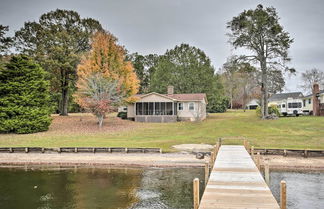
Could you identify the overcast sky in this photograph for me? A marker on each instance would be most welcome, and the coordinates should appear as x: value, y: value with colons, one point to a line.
x: 153, y: 26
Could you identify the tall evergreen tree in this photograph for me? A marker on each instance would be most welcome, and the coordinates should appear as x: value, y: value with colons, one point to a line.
x: 189, y: 70
x: 24, y: 97
x: 57, y: 42
x: 144, y: 66
x: 260, y: 32
x: 5, y: 42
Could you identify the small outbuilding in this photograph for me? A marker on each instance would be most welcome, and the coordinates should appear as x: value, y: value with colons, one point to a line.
x: 170, y: 107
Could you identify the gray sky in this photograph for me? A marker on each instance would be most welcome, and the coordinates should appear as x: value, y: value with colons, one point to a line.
x: 153, y: 26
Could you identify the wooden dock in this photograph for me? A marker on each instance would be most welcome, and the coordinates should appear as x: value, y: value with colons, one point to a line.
x: 235, y: 182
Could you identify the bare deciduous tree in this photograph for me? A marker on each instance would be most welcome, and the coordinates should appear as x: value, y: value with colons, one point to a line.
x: 99, y: 95
x: 310, y: 77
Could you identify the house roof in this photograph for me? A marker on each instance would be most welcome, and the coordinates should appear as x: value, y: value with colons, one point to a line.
x: 282, y: 96
x: 187, y: 97
x: 179, y: 97
x: 310, y: 95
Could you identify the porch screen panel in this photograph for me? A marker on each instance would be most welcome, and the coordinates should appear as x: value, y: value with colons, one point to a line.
x: 169, y: 108
x: 150, y: 108
x: 139, y: 108
x: 145, y: 110
x: 163, y: 108
x: 157, y: 108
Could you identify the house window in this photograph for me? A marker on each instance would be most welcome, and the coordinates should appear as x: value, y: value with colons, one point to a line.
x: 283, y: 105
x: 180, y: 106
x: 304, y: 102
x: 155, y: 108
x: 309, y: 101
x: 191, y: 106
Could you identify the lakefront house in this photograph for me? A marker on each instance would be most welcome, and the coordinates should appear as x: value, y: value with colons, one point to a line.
x: 170, y: 107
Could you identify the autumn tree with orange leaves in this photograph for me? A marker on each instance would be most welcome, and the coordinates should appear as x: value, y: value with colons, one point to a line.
x: 105, y: 78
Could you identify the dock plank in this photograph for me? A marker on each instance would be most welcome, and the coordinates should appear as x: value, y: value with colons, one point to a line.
x: 235, y: 182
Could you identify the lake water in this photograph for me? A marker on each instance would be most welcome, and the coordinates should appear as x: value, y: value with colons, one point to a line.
x: 149, y: 188
x: 88, y: 188
x: 304, y: 190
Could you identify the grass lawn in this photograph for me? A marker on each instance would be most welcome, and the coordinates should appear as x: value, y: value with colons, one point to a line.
x: 81, y: 130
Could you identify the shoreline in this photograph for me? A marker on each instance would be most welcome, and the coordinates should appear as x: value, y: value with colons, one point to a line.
x: 139, y: 160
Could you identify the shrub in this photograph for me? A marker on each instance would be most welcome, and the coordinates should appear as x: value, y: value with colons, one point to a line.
x: 122, y: 115
x: 24, y: 97
x: 217, y: 104
x: 272, y: 109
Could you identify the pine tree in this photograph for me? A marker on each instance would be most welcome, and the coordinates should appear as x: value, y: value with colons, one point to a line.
x: 24, y: 97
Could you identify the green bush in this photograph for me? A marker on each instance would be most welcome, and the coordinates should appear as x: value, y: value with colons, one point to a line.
x: 217, y: 104
x: 122, y: 115
x: 24, y: 97
x: 272, y: 109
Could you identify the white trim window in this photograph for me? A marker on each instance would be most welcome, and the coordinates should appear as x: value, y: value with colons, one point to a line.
x: 191, y: 106
x: 180, y: 106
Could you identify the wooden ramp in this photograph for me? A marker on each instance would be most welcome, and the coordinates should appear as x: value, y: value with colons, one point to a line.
x: 235, y: 182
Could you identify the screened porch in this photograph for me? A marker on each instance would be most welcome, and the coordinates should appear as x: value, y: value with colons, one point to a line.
x: 155, y: 108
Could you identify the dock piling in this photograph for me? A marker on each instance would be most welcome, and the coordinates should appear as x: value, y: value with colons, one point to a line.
x: 196, y: 193
x: 266, y: 173
x: 245, y: 144
x: 283, y: 195
x: 206, y: 172
x: 252, y: 152
x: 258, y: 161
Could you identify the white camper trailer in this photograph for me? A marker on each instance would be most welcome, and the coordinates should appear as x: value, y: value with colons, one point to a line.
x: 291, y: 106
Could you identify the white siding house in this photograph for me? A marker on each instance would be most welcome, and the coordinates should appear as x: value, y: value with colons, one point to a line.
x: 155, y: 107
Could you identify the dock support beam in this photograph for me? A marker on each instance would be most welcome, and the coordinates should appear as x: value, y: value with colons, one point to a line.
x: 266, y: 173
x: 258, y: 161
x: 283, y: 195
x: 206, y: 172
x: 196, y: 193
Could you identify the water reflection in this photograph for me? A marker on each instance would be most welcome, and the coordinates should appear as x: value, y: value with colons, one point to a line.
x: 97, y: 188
x: 304, y: 190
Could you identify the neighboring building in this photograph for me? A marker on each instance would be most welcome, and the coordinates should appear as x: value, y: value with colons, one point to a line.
x: 288, y: 103
x: 159, y: 108
x: 278, y: 98
x: 308, y: 102
x: 253, y: 104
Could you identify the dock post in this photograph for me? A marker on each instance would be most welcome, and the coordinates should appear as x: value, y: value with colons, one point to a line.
x: 266, y: 173
x: 196, y: 193
x: 252, y: 152
x: 283, y: 195
x: 212, y: 158
x: 206, y: 172
x: 245, y: 144
x: 305, y: 153
x: 216, y: 147
x: 258, y: 161
x: 220, y: 141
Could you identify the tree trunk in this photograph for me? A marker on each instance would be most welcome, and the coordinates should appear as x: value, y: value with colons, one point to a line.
x: 65, y: 102
x: 65, y: 93
x: 100, y: 120
x: 264, y: 89
x: 231, y: 98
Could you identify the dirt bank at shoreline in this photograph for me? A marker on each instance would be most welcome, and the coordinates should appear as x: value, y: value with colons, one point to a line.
x: 99, y: 159
x: 279, y: 162
x: 147, y: 160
